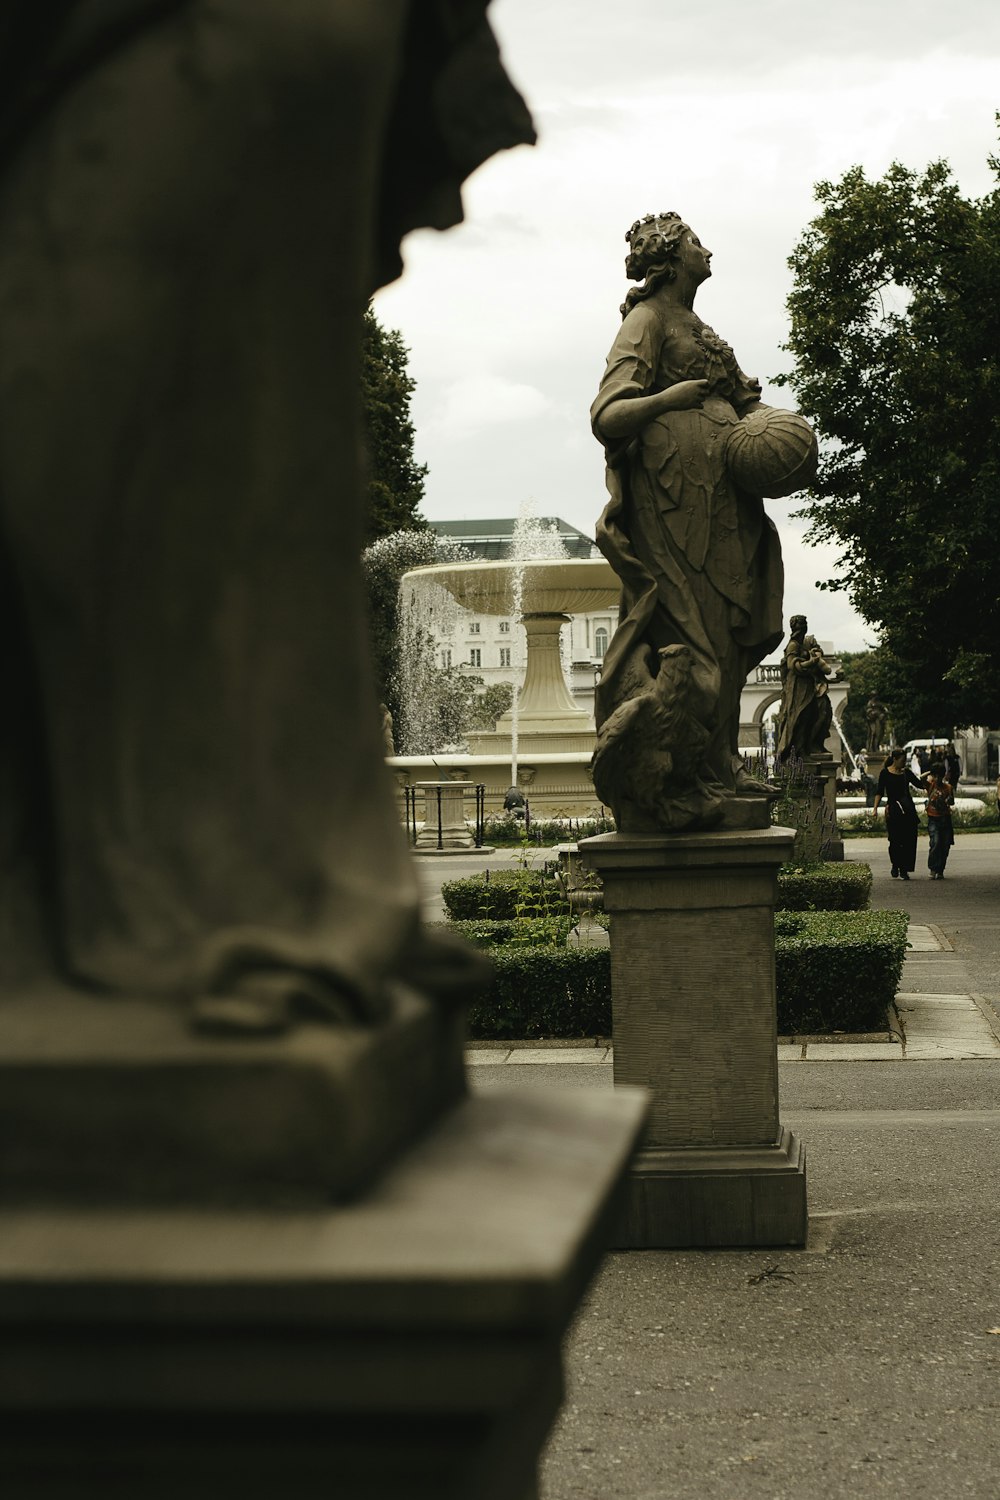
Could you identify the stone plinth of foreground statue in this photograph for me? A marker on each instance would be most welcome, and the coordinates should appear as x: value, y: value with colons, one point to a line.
x: 692, y: 977
x: 404, y: 1344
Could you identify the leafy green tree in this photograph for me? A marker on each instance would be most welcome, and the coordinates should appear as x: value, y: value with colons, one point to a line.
x: 432, y: 706
x: 395, y: 479
x: 867, y: 672
x: 895, y: 334
x: 383, y: 565
x: 489, y: 705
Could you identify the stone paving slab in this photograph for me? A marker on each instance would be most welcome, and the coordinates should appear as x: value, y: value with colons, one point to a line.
x: 924, y: 938
x: 954, y: 1051
x: 853, y: 1052
x: 534, y: 1055
x: 915, y: 999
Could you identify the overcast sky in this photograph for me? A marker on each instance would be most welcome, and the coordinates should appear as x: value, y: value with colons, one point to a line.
x: 727, y: 113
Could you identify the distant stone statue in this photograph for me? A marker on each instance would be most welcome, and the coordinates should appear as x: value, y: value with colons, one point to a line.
x: 806, y: 714
x: 197, y: 203
x: 877, y: 719
x: 690, y: 453
x: 388, y: 737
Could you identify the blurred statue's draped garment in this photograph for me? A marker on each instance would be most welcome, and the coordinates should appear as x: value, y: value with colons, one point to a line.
x: 699, y: 560
x: 196, y: 201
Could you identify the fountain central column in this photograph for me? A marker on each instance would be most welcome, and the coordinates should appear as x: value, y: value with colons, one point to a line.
x: 547, y: 713
x: 544, y: 694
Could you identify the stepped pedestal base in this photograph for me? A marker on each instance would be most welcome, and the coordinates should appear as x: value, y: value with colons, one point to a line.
x: 692, y: 973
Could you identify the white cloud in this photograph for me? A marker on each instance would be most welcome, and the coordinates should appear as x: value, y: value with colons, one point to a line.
x: 482, y: 401
x: 728, y: 116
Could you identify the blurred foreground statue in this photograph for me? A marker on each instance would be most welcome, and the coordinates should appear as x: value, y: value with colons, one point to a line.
x: 690, y: 451
x: 196, y: 201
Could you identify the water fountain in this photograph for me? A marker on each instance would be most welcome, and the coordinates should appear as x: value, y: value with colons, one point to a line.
x: 545, y: 740
x: 544, y: 717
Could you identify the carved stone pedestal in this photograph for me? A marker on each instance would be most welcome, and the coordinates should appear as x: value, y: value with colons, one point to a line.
x: 692, y: 964
x: 823, y: 770
x: 813, y: 788
x: 407, y: 1344
x: 445, y: 830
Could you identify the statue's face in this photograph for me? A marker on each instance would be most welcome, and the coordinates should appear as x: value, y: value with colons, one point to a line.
x: 693, y: 256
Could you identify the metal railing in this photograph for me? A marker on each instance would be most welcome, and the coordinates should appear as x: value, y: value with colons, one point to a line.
x: 410, y: 798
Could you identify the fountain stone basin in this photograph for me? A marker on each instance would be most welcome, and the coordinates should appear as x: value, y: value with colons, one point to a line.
x: 551, y: 589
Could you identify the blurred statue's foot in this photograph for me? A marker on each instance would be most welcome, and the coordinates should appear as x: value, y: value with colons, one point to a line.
x: 266, y: 1002
x: 751, y: 786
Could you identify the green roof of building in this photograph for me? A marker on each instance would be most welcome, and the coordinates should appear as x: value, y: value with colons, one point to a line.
x: 492, y: 538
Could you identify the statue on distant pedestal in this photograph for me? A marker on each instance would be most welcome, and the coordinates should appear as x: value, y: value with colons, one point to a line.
x: 877, y: 719
x: 806, y: 714
x: 691, y: 451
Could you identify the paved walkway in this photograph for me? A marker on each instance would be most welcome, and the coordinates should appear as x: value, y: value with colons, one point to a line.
x: 941, y: 1020
x: 865, y: 1365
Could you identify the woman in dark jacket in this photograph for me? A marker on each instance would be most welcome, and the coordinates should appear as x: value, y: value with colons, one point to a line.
x: 901, y: 825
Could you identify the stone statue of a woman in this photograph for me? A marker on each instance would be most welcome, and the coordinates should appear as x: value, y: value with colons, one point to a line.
x: 690, y: 453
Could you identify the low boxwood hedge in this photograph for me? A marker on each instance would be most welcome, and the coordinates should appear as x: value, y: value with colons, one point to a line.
x: 538, y: 932
x: 833, y: 886
x: 503, y: 894
x: 545, y: 992
x: 835, y: 971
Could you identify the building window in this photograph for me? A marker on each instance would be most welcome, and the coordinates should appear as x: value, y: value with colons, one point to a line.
x: 475, y: 657
x: 505, y: 656
x: 446, y: 658
x: 600, y: 642
x: 473, y: 627
x: 505, y: 627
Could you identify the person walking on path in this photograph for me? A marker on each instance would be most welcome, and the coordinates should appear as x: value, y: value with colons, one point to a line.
x: 894, y: 782
x: 940, y: 797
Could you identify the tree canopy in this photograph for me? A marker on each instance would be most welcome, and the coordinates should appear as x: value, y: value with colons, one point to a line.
x: 383, y: 564
x: 432, y: 706
x: 895, y: 334
x: 395, y: 479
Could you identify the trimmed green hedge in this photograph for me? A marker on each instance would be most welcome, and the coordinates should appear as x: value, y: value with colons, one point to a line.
x: 503, y: 895
x: 833, y: 886
x: 545, y: 992
x: 835, y: 971
x: 509, y: 832
x: 539, y: 932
